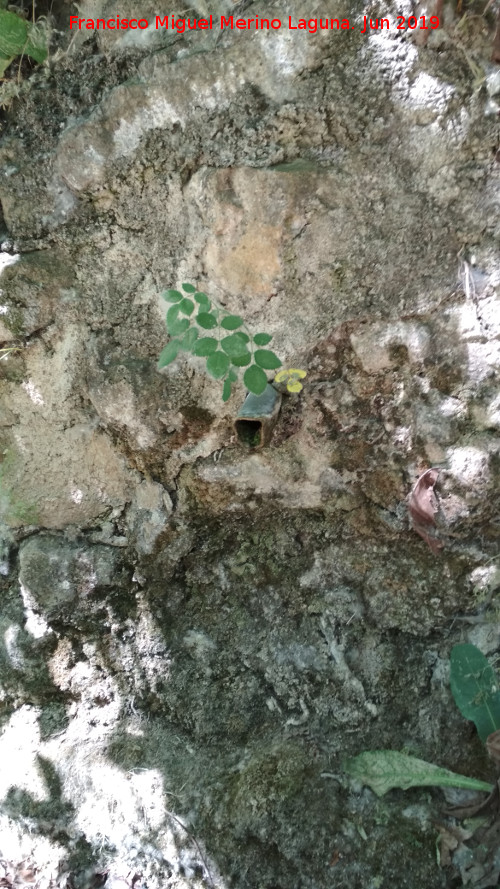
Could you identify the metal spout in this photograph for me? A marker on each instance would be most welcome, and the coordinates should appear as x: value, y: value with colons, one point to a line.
x: 256, y: 419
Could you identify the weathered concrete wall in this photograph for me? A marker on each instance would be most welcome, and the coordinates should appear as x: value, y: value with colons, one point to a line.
x: 189, y: 629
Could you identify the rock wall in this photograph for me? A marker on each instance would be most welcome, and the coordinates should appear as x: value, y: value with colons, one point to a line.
x: 195, y: 635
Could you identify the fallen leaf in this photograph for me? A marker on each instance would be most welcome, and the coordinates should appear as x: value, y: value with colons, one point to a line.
x: 449, y: 839
x: 423, y: 505
x: 384, y: 769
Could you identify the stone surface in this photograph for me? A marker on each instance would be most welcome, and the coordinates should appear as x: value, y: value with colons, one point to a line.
x: 194, y: 636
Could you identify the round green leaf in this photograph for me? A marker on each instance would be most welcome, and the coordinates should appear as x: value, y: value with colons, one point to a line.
x: 242, y: 360
x: 202, y: 299
x: 188, y: 288
x: 206, y: 320
x: 226, y: 392
x: 205, y: 346
x: 189, y: 339
x: 231, y: 322
x: 233, y: 346
x: 169, y: 353
x: 255, y: 380
x: 186, y: 306
x: 217, y: 365
x: 266, y: 359
x: 262, y: 339
x: 172, y: 296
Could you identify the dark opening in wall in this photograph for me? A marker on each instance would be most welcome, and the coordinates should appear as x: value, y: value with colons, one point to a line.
x: 249, y: 432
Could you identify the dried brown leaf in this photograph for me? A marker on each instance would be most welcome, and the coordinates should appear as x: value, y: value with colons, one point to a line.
x: 449, y: 840
x: 423, y: 505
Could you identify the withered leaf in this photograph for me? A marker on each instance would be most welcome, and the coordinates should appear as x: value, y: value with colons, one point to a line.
x: 423, y: 506
x: 449, y: 839
x: 423, y: 502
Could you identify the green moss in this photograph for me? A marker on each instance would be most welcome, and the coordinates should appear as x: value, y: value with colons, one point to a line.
x: 14, y: 321
x: 14, y: 511
x: 272, y: 776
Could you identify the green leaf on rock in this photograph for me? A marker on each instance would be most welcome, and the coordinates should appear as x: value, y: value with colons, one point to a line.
x: 203, y: 300
x: 188, y: 288
x: 189, y: 339
x: 475, y: 689
x: 169, y: 353
x: 186, y: 306
x: 234, y: 346
x: 205, y: 346
x: 231, y: 322
x: 172, y: 296
x: 18, y: 37
x: 178, y: 327
x: 218, y: 365
x: 255, y: 380
x: 206, y: 320
x: 13, y: 34
x: 242, y: 360
x: 172, y: 315
x: 384, y: 769
x: 232, y: 375
x: 262, y: 339
x: 226, y: 391
x: 174, y: 325
x: 266, y: 359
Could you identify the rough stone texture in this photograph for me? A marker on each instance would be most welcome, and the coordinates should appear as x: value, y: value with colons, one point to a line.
x: 194, y: 636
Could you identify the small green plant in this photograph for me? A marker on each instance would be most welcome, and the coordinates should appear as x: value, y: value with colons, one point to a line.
x: 228, y: 348
x: 291, y: 376
x: 19, y: 38
x: 475, y: 689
